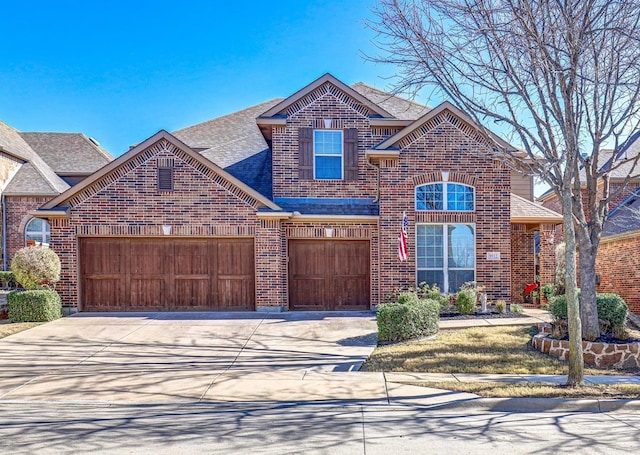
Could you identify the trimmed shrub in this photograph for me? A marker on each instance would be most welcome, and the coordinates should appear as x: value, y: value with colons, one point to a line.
x: 34, y: 306
x: 404, y: 321
x: 612, y: 309
x: 36, y: 267
x: 8, y: 280
x: 433, y: 293
x: 466, y: 301
x: 407, y: 298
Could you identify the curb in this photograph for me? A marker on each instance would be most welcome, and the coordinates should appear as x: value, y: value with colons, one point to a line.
x: 545, y: 405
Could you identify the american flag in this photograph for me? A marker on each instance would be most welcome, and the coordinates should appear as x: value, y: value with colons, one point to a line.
x: 403, y: 252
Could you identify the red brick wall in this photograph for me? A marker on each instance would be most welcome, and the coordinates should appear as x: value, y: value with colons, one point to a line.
x: 618, y: 264
x: 327, y: 103
x: 522, y: 260
x: 17, y: 208
x: 447, y: 145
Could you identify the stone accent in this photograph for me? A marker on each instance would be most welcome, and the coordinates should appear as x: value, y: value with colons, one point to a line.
x: 602, y: 355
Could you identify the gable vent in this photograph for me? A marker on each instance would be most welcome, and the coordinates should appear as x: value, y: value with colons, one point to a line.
x: 165, y: 174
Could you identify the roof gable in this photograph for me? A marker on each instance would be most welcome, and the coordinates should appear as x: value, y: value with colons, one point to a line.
x: 324, y: 83
x: 121, y: 165
x: 432, y: 118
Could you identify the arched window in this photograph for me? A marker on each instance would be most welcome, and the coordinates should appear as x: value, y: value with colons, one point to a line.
x: 38, y: 231
x: 445, y: 196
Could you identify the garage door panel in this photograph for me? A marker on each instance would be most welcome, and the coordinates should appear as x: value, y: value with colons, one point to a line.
x: 149, y: 257
x: 329, y: 275
x: 106, y: 258
x: 192, y: 257
x: 104, y: 294
x: 234, y: 294
x: 234, y: 257
x: 147, y: 294
x: 192, y: 294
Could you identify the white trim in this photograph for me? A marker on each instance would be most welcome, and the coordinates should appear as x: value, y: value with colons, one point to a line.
x: 445, y: 253
x: 329, y: 155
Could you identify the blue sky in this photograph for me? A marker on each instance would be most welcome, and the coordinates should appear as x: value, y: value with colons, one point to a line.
x: 119, y: 71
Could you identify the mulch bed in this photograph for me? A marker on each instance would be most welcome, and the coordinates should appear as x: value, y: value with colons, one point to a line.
x: 492, y: 315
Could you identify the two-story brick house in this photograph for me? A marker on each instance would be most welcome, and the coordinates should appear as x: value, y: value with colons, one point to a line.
x: 297, y: 204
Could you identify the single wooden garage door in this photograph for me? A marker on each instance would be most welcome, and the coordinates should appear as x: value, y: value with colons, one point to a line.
x: 329, y: 275
x: 167, y: 274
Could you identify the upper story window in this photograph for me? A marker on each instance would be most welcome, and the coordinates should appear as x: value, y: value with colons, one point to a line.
x: 37, y: 232
x: 444, y: 196
x: 327, y: 154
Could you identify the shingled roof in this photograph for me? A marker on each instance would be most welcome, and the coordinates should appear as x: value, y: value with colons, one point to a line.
x: 38, y: 178
x: 68, y: 153
x: 400, y: 108
x: 525, y: 211
x: 625, y: 217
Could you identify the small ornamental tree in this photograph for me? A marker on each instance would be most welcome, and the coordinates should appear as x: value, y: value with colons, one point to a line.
x: 36, y: 268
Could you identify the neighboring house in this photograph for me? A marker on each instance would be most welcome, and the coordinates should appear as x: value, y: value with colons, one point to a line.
x: 34, y: 168
x: 297, y: 204
x: 618, y: 260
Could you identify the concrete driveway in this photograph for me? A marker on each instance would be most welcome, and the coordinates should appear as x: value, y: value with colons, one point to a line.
x: 192, y: 357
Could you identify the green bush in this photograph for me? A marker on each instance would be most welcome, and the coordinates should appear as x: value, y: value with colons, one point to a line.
x: 407, y: 298
x: 611, y: 308
x: 36, y: 267
x: 34, y: 306
x: 548, y: 290
x: 515, y: 308
x: 404, y: 321
x: 466, y: 301
x: 8, y: 280
x: 433, y: 293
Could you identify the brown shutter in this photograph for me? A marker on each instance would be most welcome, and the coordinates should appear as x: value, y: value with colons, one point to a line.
x: 351, y: 154
x: 165, y: 179
x: 305, y: 153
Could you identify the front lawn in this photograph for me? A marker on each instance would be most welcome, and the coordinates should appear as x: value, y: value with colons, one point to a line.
x: 482, y: 350
x: 7, y: 328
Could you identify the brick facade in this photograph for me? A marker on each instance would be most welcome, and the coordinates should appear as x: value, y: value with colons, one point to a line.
x: 618, y: 264
x: 17, y: 208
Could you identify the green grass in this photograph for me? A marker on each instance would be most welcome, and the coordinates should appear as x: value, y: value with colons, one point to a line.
x: 481, y: 350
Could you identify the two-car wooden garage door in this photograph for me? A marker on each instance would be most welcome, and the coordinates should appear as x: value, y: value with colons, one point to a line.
x: 167, y: 274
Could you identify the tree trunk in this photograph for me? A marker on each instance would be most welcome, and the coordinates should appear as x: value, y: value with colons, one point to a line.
x: 588, y: 305
x: 576, y: 359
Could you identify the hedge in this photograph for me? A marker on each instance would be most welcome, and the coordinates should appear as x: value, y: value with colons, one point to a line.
x: 34, y: 306
x: 8, y: 280
x: 611, y: 308
x: 403, y: 321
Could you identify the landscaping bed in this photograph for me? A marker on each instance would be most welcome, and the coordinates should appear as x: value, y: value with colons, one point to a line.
x: 491, y: 315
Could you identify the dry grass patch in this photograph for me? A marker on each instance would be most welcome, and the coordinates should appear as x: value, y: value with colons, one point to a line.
x: 538, y: 390
x: 9, y: 328
x: 488, y: 350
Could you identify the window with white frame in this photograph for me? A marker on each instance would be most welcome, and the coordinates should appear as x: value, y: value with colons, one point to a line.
x: 445, y: 196
x: 327, y: 155
x: 38, y: 231
x: 446, y: 255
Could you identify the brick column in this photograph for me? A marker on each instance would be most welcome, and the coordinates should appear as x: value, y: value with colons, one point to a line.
x: 522, y: 260
x: 270, y: 253
x: 547, y: 256
x: 63, y: 242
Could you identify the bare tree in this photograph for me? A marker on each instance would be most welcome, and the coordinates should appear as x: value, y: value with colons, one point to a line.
x: 558, y: 78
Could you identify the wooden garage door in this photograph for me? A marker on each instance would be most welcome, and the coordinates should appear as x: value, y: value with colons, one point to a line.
x: 329, y: 275
x: 167, y: 274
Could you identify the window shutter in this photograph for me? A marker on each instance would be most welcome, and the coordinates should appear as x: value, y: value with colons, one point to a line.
x: 305, y: 153
x: 351, y: 154
x: 165, y: 179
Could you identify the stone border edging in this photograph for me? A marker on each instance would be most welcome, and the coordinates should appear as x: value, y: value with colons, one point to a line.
x: 596, y: 354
